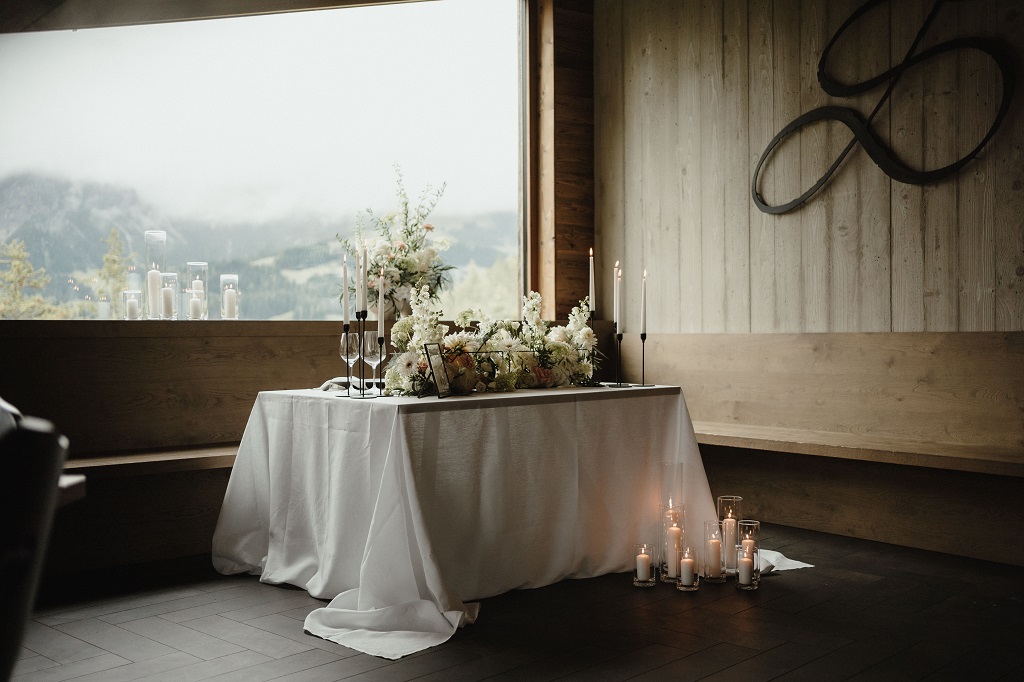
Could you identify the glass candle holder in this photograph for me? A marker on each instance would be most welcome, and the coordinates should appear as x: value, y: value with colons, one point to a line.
x: 196, y: 288
x: 645, y: 573
x: 168, y: 295
x: 673, y: 523
x: 748, y: 561
x: 131, y: 304
x: 156, y: 254
x: 714, y: 562
x: 689, y: 570
x: 730, y: 511
x: 229, y: 296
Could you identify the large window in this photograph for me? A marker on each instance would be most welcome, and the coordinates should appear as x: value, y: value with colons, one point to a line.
x: 255, y: 143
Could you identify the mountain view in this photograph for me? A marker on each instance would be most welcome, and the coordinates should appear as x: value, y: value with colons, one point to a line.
x: 289, y: 269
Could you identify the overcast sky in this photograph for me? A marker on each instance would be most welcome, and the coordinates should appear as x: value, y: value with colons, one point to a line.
x: 260, y: 117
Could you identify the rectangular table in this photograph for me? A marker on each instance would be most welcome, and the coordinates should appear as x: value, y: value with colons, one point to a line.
x: 403, y: 509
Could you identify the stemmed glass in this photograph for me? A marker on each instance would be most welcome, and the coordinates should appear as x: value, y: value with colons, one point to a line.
x: 373, y: 354
x: 349, y: 351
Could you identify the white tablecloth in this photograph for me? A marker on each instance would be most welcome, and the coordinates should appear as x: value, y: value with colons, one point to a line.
x: 401, y: 510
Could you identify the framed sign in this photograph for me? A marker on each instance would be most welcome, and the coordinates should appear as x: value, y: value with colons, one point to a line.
x: 437, y: 369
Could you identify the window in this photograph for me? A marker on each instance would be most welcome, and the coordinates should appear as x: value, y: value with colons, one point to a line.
x: 254, y: 142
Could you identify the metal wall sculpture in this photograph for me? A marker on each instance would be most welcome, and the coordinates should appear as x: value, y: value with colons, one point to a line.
x: 861, y: 128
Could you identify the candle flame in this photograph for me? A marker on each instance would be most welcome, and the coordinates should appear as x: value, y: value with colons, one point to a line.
x: 616, y: 265
x: 645, y: 274
x: 591, y: 253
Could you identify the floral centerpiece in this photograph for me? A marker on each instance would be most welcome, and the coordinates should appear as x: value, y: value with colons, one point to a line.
x: 403, y: 247
x: 491, y: 355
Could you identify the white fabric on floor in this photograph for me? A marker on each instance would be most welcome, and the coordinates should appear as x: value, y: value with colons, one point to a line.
x: 401, y: 510
x: 771, y: 561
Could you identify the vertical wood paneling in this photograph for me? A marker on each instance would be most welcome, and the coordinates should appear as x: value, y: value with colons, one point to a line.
x: 905, y: 116
x: 689, y: 168
x: 662, y: 235
x: 712, y: 167
x: 1009, y: 188
x: 737, y: 164
x: 814, y: 246
x: 977, y: 97
x: 866, y: 253
x: 636, y: 35
x: 788, y: 239
x: 871, y: 45
x: 761, y: 123
x: 609, y: 159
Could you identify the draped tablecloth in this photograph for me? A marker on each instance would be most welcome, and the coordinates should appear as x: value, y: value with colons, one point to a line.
x: 401, y: 510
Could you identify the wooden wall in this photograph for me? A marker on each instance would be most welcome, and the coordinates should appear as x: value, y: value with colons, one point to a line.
x: 688, y: 93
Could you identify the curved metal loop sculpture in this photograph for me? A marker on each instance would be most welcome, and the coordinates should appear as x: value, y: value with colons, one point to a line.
x: 861, y: 128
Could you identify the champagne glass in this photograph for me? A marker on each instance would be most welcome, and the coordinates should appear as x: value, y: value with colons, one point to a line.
x: 349, y: 351
x: 372, y: 353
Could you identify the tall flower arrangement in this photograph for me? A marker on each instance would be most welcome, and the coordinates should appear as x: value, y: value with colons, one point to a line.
x: 402, y: 245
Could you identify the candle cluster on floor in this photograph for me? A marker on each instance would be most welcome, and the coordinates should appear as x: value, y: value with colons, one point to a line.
x: 729, y: 549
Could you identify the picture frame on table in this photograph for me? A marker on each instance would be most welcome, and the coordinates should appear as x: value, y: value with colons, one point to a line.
x: 435, y: 361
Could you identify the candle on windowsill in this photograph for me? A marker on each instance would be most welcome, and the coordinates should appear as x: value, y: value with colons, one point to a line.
x: 132, y: 308
x: 230, y: 304
x: 195, y: 306
x: 167, y: 297
x: 153, y: 292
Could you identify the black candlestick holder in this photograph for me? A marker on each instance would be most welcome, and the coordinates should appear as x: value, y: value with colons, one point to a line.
x: 348, y: 384
x: 643, y: 349
x: 361, y: 316
x: 618, y: 363
x: 380, y: 357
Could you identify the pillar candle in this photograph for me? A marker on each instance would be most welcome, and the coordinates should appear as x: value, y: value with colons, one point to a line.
x: 686, y: 571
x: 132, y: 308
x: 643, y: 304
x: 714, y: 558
x: 197, y: 285
x: 729, y: 540
x: 344, y: 288
x: 593, y: 291
x: 748, y: 546
x: 745, y: 572
x: 643, y: 566
x: 230, y: 304
x: 195, y: 307
x: 675, y: 535
x: 153, y: 292
x: 167, y: 311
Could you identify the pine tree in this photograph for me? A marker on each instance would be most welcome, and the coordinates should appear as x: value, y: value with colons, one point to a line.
x: 17, y: 277
x: 113, y: 276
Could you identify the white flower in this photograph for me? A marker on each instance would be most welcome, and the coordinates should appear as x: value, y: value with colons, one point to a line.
x: 585, y: 339
x: 407, y: 364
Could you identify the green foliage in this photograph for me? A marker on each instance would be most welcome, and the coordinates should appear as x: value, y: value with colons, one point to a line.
x: 17, y: 278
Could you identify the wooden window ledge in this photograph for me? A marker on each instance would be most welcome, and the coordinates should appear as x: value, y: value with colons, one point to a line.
x: 155, y: 461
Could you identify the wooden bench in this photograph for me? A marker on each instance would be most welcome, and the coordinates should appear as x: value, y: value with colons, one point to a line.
x: 910, y: 438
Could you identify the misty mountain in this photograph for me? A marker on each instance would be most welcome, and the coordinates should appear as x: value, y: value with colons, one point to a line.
x: 65, y: 224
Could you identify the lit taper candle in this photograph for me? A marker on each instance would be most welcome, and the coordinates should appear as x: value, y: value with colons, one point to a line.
x: 593, y: 291
x: 344, y: 288
x: 643, y: 304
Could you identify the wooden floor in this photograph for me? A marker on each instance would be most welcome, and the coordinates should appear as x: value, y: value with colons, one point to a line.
x: 865, y: 611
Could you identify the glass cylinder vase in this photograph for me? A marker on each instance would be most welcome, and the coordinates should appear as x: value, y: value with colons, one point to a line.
x: 229, y: 297
x: 132, y: 304
x: 168, y: 295
x: 673, y: 523
x: 689, y: 570
x: 730, y: 511
x: 156, y: 263
x: 748, y: 561
x: 196, y: 288
x: 713, y: 568
x: 646, y: 556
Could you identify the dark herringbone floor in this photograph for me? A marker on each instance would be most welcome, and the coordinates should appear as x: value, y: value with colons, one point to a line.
x: 866, y: 611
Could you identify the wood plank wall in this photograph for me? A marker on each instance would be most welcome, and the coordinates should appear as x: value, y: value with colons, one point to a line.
x: 565, y: 224
x: 689, y: 92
